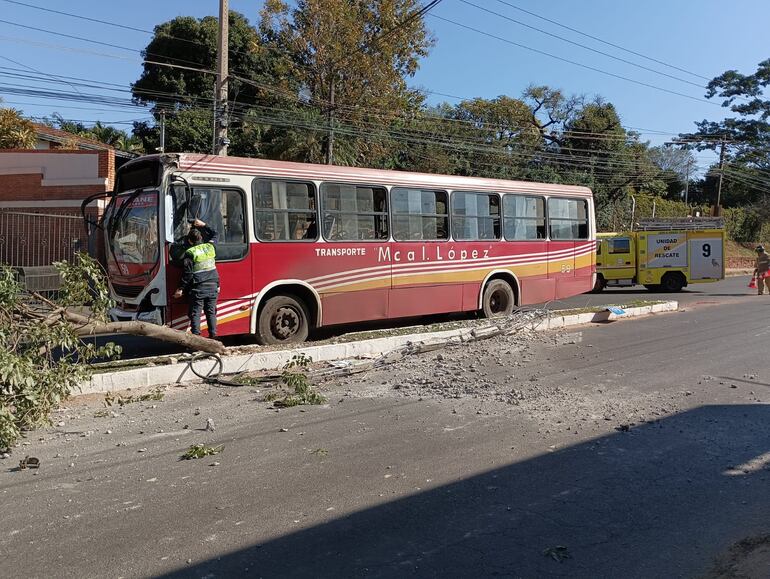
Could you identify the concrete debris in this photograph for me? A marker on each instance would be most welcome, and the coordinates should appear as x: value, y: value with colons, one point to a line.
x: 210, y: 425
x: 29, y: 462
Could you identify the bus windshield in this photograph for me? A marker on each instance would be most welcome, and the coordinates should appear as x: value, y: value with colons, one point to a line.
x: 133, y: 233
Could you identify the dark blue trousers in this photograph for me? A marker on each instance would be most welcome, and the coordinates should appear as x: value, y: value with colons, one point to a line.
x: 206, y: 302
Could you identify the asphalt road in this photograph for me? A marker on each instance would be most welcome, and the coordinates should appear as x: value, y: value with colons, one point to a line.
x: 396, y: 487
x: 137, y: 347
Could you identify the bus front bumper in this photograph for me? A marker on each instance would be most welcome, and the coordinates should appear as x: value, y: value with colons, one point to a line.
x: 153, y: 316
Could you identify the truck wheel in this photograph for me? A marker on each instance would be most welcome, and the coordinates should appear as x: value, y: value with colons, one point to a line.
x: 652, y: 287
x: 600, y: 284
x: 498, y: 299
x: 283, y: 319
x: 672, y: 282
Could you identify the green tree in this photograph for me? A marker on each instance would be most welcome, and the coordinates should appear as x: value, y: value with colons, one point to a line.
x: 747, y: 132
x: 16, y: 132
x: 749, y: 128
x: 363, y: 52
x: 182, y: 85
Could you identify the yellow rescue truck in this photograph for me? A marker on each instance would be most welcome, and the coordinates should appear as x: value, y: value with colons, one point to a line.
x: 662, y: 254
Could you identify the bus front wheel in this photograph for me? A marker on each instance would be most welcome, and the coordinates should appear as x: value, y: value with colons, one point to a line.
x: 498, y: 299
x: 283, y: 319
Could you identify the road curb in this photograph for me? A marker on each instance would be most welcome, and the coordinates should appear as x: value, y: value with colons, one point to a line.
x: 181, y: 373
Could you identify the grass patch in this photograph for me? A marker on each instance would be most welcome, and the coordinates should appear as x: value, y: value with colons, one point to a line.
x: 111, y: 400
x: 597, y: 309
x: 202, y: 451
x: 294, y: 379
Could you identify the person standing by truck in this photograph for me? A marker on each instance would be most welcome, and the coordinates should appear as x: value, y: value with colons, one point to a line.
x: 761, y: 267
x: 200, y: 279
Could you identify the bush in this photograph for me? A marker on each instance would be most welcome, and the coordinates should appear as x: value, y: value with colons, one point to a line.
x: 42, y: 360
x: 742, y: 224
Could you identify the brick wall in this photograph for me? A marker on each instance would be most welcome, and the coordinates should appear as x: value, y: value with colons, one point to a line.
x: 40, y: 219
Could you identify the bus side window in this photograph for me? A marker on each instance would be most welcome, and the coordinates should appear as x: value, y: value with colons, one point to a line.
x: 284, y: 210
x: 523, y: 217
x: 354, y: 212
x: 475, y: 216
x: 419, y: 214
x: 222, y: 209
x: 568, y: 218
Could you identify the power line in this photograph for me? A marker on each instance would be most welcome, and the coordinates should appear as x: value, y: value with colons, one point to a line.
x: 114, y: 24
x: 584, y: 46
x: 71, y: 36
x: 62, y: 47
x: 98, y: 42
x: 619, y: 47
x: 96, y: 20
x: 422, y: 11
x: 582, y: 135
x: 575, y: 63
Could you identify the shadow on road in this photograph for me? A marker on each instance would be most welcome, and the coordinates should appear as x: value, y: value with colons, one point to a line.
x: 662, y: 499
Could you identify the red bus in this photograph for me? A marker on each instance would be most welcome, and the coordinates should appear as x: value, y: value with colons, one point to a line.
x: 303, y: 246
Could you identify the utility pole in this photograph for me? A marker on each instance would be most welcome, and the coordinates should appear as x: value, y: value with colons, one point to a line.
x: 722, y: 144
x: 162, y: 148
x: 687, y: 180
x: 330, y: 118
x: 220, y: 97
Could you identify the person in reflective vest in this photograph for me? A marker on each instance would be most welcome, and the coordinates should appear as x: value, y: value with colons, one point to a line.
x: 200, y: 279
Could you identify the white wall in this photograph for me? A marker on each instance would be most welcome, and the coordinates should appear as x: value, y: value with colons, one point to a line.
x: 56, y: 168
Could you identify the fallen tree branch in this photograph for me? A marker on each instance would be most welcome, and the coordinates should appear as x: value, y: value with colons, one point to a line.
x: 137, y: 328
x: 85, y: 326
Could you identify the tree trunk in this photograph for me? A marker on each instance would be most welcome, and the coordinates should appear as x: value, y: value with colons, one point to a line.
x: 86, y: 327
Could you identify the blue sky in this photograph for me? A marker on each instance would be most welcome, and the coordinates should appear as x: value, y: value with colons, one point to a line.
x: 704, y: 37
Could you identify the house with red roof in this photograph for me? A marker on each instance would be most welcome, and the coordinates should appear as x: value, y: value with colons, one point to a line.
x: 41, y: 191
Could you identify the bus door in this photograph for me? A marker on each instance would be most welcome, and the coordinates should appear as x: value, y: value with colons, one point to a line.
x: 525, y: 232
x: 569, y: 231
x: 224, y: 211
x: 426, y: 268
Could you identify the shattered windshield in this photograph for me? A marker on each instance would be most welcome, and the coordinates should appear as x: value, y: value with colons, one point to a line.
x: 133, y: 233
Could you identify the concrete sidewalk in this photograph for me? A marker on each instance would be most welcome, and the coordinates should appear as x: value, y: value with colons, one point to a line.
x: 181, y: 372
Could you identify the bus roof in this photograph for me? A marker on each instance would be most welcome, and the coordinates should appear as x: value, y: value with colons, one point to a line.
x: 212, y: 164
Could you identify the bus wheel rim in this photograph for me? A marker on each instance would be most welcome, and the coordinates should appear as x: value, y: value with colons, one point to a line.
x: 286, y: 323
x: 498, y: 302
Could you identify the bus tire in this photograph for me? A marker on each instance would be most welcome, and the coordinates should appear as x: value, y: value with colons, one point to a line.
x: 499, y: 299
x: 672, y: 282
x: 600, y: 284
x: 283, y: 319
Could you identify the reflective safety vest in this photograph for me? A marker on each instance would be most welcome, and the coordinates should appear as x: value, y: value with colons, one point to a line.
x: 203, y: 257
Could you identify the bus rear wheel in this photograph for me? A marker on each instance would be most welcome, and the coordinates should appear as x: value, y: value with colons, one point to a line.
x: 283, y: 319
x: 498, y: 299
